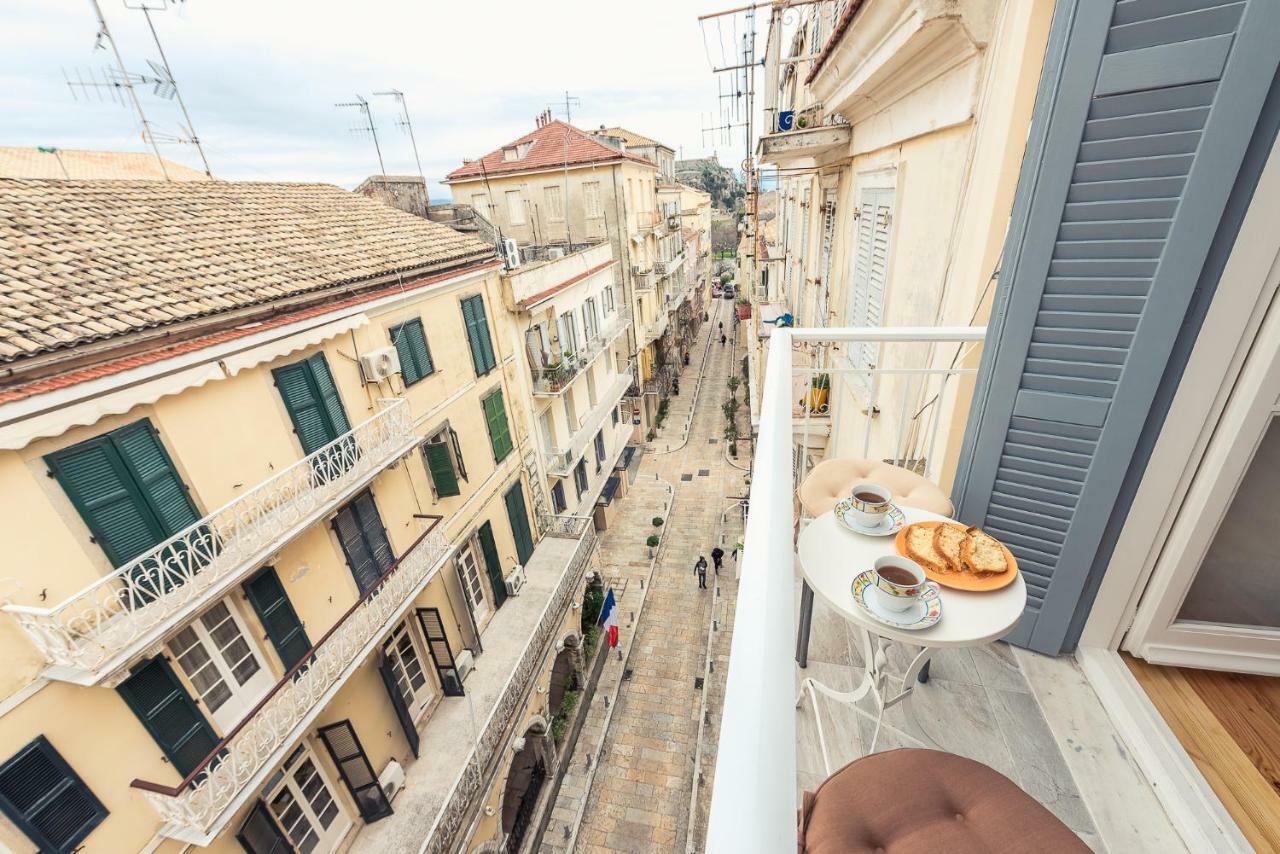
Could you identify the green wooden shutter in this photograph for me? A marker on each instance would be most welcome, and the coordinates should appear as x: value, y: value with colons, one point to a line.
x: 440, y: 464
x: 411, y: 345
x: 519, y: 519
x: 457, y: 453
x: 261, y: 834
x: 1141, y: 126
x: 348, y: 754
x: 493, y: 566
x: 364, y: 541
x: 169, y: 714
x: 311, y: 398
x: 495, y: 416
x: 46, y: 799
x: 398, y: 704
x: 276, y: 613
x: 126, y: 489
x: 329, y: 394
x: 473, y: 315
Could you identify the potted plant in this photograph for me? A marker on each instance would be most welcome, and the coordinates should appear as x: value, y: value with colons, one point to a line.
x: 819, y: 390
x: 744, y: 309
x: 657, y: 521
x: 652, y: 543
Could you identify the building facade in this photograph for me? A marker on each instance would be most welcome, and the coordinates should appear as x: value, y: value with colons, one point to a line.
x: 277, y: 578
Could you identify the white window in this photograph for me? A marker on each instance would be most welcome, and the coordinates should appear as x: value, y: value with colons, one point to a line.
x: 303, y: 802
x: 555, y: 202
x: 608, y: 300
x: 568, y: 334
x: 590, y: 320
x: 411, y: 678
x: 480, y: 201
x: 544, y: 424
x: 469, y: 572
x: 570, y: 415
x: 591, y: 199
x: 515, y: 207
x: 870, y: 270
x: 226, y: 671
x: 591, y: 387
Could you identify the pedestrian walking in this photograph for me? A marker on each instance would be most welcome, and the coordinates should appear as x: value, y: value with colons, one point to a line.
x: 701, y: 568
x: 722, y: 339
x: 717, y: 557
x: 722, y: 327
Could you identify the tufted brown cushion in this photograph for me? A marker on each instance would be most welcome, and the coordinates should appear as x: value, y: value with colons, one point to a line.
x: 923, y: 802
x: 831, y: 480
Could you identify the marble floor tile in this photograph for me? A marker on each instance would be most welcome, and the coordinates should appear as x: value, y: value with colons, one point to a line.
x: 998, y: 668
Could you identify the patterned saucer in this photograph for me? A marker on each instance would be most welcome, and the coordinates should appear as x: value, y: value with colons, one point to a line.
x: 923, y: 614
x: 890, y: 524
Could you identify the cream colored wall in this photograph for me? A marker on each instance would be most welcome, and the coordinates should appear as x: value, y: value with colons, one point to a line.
x: 225, y: 438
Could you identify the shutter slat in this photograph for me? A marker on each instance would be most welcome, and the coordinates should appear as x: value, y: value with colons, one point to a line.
x: 1145, y: 124
x: 46, y: 799
x: 1180, y: 142
x: 1117, y: 286
x: 1214, y: 20
x: 440, y: 465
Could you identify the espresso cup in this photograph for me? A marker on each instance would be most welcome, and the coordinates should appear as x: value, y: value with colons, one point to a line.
x: 869, y: 503
x: 900, y: 581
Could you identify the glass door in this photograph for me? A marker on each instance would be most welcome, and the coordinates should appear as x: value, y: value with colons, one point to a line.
x: 304, y: 804
x: 411, y: 679
x: 472, y: 588
x: 222, y: 665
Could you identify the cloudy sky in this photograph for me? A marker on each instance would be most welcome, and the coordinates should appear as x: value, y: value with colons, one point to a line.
x: 261, y: 77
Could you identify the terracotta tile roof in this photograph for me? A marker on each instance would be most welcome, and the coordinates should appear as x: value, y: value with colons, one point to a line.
x: 91, y: 165
x: 630, y: 137
x: 547, y: 150
x: 88, y: 260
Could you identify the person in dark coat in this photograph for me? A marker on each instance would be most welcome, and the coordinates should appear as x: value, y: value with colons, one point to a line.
x: 717, y: 557
x: 701, y: 568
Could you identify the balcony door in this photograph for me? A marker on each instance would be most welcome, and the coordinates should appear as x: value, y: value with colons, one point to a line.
x: 472, y: 586
x: 305, y: 805
x: 222, y: 664
x: 406, y: 666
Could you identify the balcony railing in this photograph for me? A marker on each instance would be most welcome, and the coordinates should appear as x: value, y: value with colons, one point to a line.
x: 101, y: 627
x: 753, y: 797
x: 471, y: 784
x: 670, y: 265
x: 560, y: 461
x: 643, y: 280
x: 553, y: 380
x: 197, y: 808
x: 565, y: 525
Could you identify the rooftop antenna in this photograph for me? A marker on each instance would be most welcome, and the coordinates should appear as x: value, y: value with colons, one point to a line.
x: 570, y: 101
x: 363, y: 105
x: 166, y: 85
x: 123, y: 80
x: 405, y: 123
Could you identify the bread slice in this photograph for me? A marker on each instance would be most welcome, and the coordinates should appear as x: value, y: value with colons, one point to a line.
x: 982, y: 554
x: 946, y: 542
x: 919, y: 546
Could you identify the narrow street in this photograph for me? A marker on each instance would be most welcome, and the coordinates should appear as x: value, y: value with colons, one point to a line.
x: 632, y: 780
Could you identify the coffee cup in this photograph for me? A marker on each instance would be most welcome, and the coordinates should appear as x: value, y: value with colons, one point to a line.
x: 901, y: 582
x: 869, y: 502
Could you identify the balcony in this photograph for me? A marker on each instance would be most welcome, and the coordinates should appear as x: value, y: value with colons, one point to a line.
x: 904, y: 410
x: 197, y: 809
x: 643, y: 279
x: 469, y: 735
x: 812, y: 133
x: 669, y: 266
x: 553, y: 380
x: 560, y: 461
x: 93, y: 634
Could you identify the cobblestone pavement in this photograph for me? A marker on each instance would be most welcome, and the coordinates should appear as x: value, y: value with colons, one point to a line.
x: 631, y: 779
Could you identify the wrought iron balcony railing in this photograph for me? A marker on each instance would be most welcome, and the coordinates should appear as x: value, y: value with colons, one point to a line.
x: 561, y: 461
x: 472, y: 782
x: 198, y: 808
x: 552, y: 380
x: 99, y: 629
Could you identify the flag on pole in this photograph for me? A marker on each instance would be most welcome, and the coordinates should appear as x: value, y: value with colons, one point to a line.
x: 609, y: 617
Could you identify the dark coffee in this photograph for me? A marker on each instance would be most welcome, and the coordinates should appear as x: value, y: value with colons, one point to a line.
x: 869, y: 497
x: 897, y: 575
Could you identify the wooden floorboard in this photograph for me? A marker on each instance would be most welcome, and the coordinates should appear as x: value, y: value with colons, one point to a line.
x: 1230, y: 726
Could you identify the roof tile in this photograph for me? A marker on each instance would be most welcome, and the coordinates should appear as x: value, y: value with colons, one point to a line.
x: 554, y: 144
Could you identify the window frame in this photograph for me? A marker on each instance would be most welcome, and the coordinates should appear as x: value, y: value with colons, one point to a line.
x: 448, y: 437
x: 402, y: 332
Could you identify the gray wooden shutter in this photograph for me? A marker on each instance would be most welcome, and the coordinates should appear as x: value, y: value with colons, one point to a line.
x: 348, y: 754
x: 397, y: 702
x: 870, y: 270
x: 1141, y: 124
x: 261, y: 834
x: 441, y: 651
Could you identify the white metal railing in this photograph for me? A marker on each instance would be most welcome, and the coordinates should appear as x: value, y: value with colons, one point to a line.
x: 195, y: 808
x: 554, y: 379
x: 643, y: 280
x: 100, y: 626
x: 753, y: 797
x: 564, y: 525
x: 482, y: 764
x: 560, y: 461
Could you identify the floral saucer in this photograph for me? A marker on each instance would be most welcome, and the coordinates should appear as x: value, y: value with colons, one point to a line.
x: 921, y: 615
x: 891, y: 523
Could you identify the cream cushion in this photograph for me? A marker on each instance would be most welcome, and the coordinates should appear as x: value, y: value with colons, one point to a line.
x: 831, y: 480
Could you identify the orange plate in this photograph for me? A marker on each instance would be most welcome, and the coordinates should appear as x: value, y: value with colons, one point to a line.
x: 960, y: 580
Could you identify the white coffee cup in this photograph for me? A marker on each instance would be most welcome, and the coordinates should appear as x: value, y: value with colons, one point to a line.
x: 869, y: 502
x: 901, y: 582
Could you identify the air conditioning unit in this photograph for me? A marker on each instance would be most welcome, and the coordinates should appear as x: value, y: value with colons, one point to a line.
x: 391, y: 779
x: 515, y: 580
x: 378, y: 365
x: 464, y: 663
x: 555, y: 252
x: 511, y: 250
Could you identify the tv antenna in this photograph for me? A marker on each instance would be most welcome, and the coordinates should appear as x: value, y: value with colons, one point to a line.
x: 166, y: 85
x: 405, y: 123
x: 115, y: 82
x: 362, y: 104
x: 570, y: 101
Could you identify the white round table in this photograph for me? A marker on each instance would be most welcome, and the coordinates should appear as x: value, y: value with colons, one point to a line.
x: 831, y: 556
